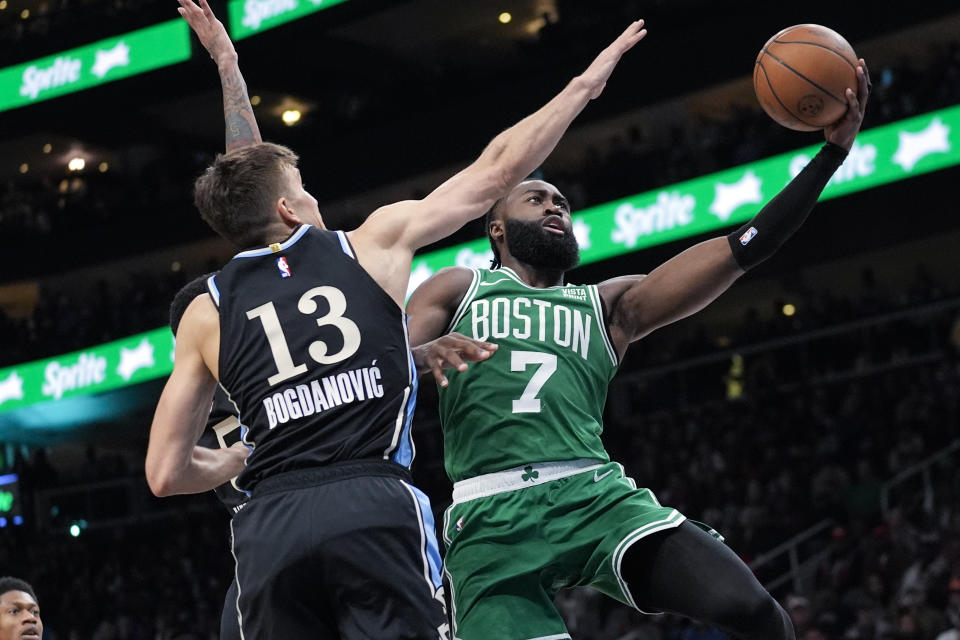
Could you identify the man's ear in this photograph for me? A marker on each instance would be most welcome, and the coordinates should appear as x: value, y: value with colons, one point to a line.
x: 288, y: 215
x: 496, y: 230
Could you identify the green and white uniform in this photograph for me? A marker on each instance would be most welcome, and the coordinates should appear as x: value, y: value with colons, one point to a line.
x: 537, y: 504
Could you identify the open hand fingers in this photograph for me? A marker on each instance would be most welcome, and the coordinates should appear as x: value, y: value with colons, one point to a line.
x: 207, y: 11
x: 437, y: 369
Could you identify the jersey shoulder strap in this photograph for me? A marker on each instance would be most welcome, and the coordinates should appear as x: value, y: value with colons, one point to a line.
x: 467, y: 299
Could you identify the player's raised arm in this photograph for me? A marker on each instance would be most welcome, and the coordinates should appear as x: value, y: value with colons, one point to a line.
x: 174, y: 463
x: 241, y: 125
x: 507, y: 159
x: 693, y: 279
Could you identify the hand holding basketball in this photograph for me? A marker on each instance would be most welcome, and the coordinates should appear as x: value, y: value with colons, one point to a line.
x: 845, y: 130
x: 802, y: 75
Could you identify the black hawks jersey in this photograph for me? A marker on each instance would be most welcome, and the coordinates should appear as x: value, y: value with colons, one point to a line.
x: 315, y: 356
x: 223, y: 430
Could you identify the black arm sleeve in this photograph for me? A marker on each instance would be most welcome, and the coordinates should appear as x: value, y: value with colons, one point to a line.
x: 760, y: 238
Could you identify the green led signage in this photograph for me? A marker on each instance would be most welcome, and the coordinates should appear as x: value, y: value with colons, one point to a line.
x: 94, y: 64
x: 882, y: 155
x: 248, y: 17
x: 879, y: 156
x: 116, y: 364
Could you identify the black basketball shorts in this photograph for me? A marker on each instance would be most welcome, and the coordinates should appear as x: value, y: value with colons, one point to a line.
x: 347, y: 551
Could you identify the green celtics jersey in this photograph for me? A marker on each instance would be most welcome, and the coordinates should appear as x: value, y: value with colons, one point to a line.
x: 540, y: 396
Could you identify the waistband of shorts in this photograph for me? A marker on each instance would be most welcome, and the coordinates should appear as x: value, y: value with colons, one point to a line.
x: 528, y: 475
x: 312, y: 476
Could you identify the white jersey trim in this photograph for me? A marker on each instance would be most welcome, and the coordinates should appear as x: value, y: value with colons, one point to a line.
x: 512, y: 479
x: 675, y: 519
x: 236, y: 576
x: 594, y: 293
x: 513, y: 274
x: 465, y: 303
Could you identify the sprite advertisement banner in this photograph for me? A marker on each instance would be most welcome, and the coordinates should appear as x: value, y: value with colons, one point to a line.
x: 882, y: 155
x: 105, y: 61
x: 248, y: 17
x: 108, y: 366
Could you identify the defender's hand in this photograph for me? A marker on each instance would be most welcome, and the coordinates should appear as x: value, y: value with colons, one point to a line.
x: 213, y: 36
x: 451, y: 350
x: 843, y: 131
x: 600, y: 69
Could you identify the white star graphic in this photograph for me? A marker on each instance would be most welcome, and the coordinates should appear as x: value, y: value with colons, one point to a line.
x: 729, y: 197
x: 913, y: 147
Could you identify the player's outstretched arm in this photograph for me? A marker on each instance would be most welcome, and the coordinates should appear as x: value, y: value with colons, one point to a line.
x: 450, y: 351
x: 508, y: 158
x: 174, y: 463
x: 693, y: 279
x: 241, y: 125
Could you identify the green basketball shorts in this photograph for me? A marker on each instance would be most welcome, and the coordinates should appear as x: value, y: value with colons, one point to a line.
x: 516, y: 537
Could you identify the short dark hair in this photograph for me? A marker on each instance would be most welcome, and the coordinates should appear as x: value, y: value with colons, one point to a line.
x: 9, y: 583
x: 235, y: 193
x: 487, y: 219
x: 194, y: 288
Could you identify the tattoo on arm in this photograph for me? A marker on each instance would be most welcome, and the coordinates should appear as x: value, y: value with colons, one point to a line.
x: 241, y: 124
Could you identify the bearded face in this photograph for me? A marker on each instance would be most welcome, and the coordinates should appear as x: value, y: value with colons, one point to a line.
x: 543, y: 243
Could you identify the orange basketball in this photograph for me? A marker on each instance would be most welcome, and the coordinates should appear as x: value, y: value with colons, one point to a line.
x: 802, y: 74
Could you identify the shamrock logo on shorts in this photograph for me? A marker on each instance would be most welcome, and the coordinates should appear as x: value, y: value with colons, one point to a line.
x: 529, y: 473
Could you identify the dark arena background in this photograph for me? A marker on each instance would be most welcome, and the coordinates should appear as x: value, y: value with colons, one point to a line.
x: 810, y: 414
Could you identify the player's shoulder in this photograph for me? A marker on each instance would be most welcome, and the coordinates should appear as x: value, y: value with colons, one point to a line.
x: 201, y: 314
x: 446, y: 285
x: 610, y: 290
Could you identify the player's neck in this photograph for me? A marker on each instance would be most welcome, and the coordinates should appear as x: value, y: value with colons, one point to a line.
x: 277, y: 233
x: 534, y: 276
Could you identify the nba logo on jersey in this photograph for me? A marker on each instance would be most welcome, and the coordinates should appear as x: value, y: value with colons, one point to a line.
x: 748, y: 235
x: 459, y: 526
x: 284, y: 267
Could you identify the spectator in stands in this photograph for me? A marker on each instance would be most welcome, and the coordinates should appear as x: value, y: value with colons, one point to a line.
x: 19, y: 611
x: 953, y: 611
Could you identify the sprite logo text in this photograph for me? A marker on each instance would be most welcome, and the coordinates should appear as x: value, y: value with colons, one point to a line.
x: 64, y: 70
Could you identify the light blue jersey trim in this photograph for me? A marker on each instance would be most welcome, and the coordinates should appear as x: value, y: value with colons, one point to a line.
x: 431, y: 548
x: 345, y: 244
x: 406, y: 450
x: 253, y: 253
x: 214, y: 290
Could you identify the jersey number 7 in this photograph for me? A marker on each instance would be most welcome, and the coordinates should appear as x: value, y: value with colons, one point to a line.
x: 528, y: 402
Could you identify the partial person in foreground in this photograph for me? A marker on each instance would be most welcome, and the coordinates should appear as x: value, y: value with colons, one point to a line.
x: 537, y: 504
x: 222, y: 431
x: 305, y: 331
x: 19, y: 611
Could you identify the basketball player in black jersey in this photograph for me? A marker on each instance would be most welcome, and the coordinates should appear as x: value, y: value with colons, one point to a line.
x: 305, y: 330
x: 222, y: 430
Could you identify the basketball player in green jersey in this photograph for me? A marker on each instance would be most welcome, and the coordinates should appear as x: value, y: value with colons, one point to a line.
x: 537, y: 504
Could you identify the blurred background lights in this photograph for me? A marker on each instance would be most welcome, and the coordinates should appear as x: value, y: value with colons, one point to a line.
x: 291, y: 117
x: 789, y: 309
x: 76, y: 164
x: 505, y: 17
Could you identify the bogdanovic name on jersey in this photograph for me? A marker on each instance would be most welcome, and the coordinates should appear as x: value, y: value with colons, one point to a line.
x: 503, y: 317
x: 302, y: 400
